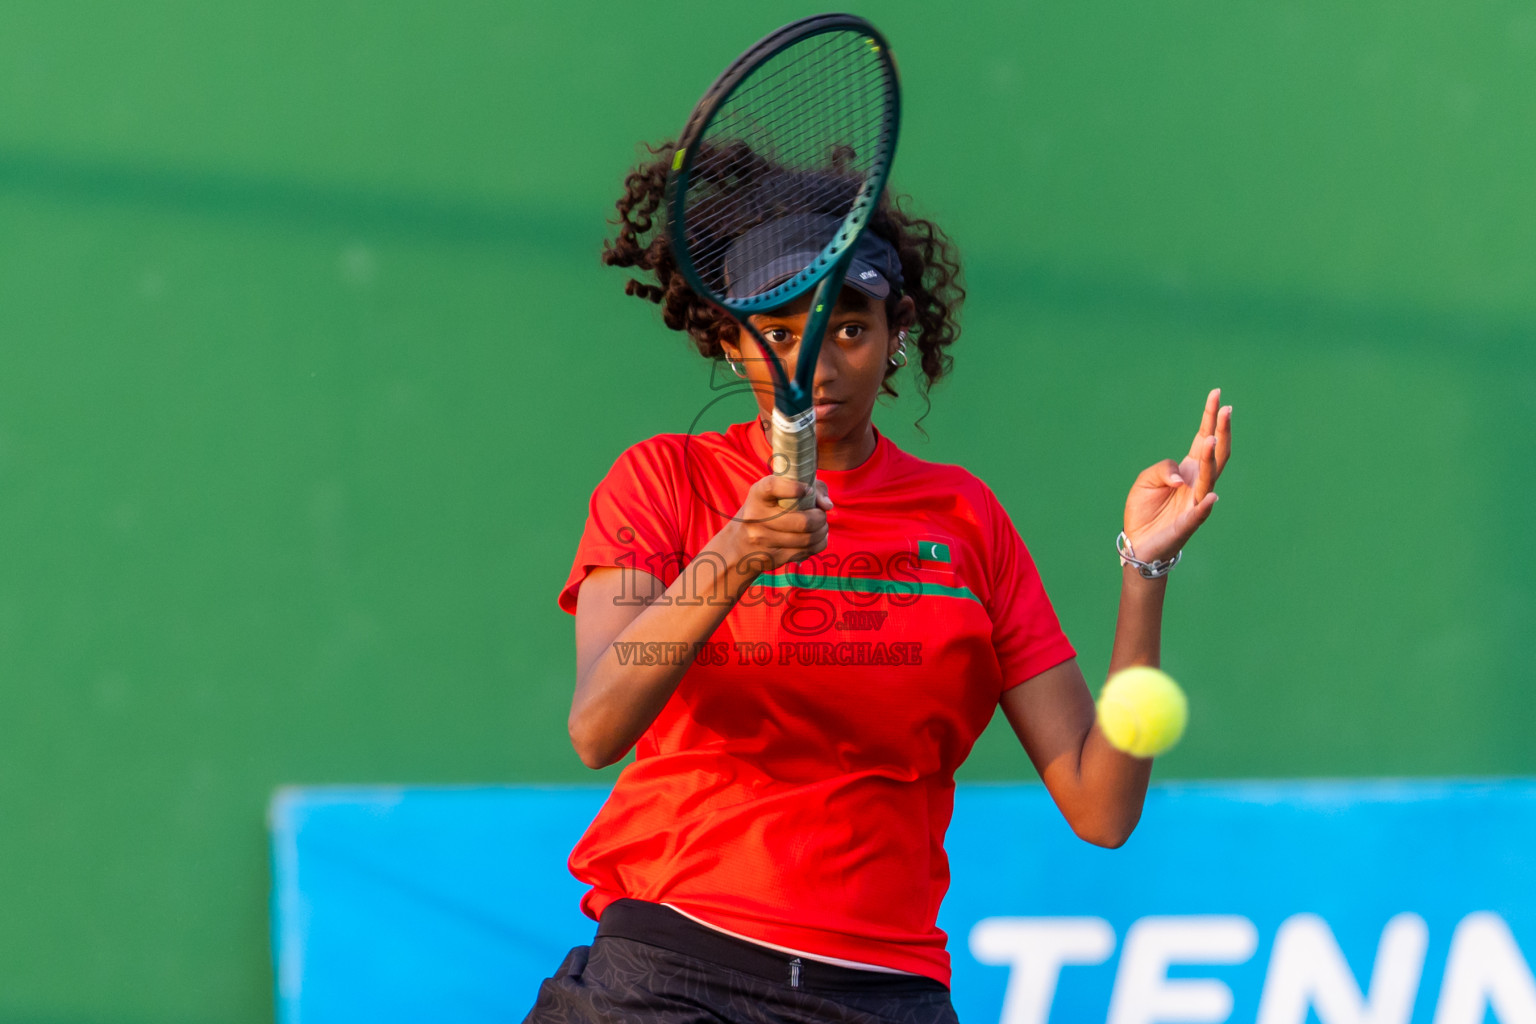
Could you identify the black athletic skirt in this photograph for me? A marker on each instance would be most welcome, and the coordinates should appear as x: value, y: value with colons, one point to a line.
x: 650, y: 963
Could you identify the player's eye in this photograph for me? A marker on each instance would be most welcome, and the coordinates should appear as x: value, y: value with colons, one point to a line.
x: 851, y: 332
x: 778, y: 336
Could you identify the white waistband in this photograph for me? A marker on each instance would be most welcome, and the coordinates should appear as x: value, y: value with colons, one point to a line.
x: 834, y: 961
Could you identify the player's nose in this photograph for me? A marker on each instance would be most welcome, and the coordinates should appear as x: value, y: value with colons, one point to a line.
x: 828, y: 366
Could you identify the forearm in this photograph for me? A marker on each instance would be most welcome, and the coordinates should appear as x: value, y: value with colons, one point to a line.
x: 627, y: 681
x: 635, y: 643
x: 1116, y: 783
x: 1139, y: 627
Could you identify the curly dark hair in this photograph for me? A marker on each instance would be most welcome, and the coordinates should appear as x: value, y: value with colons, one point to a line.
x: 930, y: 266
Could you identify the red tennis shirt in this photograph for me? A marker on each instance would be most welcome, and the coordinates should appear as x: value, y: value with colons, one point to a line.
x: 797, y: 786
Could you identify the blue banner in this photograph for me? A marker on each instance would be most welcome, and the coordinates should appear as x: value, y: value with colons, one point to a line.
x: 1280, y: 903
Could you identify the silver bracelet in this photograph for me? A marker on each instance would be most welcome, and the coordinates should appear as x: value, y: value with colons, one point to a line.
x: 1148, y: 570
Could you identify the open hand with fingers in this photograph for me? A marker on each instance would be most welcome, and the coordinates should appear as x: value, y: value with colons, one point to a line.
x: 1169, y: 500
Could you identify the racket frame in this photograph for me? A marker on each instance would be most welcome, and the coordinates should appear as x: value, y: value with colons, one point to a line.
x: 793, y: 401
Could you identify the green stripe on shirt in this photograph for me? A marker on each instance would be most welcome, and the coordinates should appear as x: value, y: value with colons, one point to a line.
x: 861, y: 585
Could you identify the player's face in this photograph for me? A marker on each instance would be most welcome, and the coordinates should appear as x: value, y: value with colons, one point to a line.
x: 852, y: 365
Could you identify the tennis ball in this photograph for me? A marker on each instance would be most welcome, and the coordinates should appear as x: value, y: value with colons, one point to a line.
x: 1142, y: 712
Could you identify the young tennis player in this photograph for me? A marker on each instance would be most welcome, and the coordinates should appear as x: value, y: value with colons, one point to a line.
x: 799, y: 687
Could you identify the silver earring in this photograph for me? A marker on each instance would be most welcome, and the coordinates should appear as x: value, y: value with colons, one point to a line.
x: 736, y: 368
x: 899, y: 360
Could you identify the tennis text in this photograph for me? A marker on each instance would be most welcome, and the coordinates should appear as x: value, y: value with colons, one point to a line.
x: 1158, y: 979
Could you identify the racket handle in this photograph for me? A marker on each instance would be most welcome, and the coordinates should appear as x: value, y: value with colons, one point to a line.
x: 793, y: 439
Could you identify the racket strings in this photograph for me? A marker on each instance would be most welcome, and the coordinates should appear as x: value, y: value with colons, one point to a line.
x: 803, y: 133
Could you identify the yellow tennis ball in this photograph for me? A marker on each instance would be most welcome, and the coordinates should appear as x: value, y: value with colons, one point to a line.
x: 1142, y: 711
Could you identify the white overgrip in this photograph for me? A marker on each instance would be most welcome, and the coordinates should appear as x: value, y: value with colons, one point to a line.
x: 793, y: 439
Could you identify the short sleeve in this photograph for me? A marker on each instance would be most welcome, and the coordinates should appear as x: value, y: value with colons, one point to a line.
x: 1026, y: 635
x: 632, y: 520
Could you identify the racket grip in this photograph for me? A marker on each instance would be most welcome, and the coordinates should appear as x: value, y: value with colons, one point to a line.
x: 793, y: 439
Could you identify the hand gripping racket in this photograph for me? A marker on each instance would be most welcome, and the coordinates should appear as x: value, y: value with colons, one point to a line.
x: 802, y: 129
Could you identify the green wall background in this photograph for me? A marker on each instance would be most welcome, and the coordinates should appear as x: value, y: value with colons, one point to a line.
x: 307, y: 368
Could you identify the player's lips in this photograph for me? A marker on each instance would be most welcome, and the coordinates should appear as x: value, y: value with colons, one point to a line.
x: 827, y: 406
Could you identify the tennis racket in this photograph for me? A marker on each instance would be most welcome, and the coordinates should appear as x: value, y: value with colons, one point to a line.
x: 802, y: 126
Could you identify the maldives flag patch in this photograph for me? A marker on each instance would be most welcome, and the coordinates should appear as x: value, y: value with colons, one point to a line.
x: 932, y: 555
